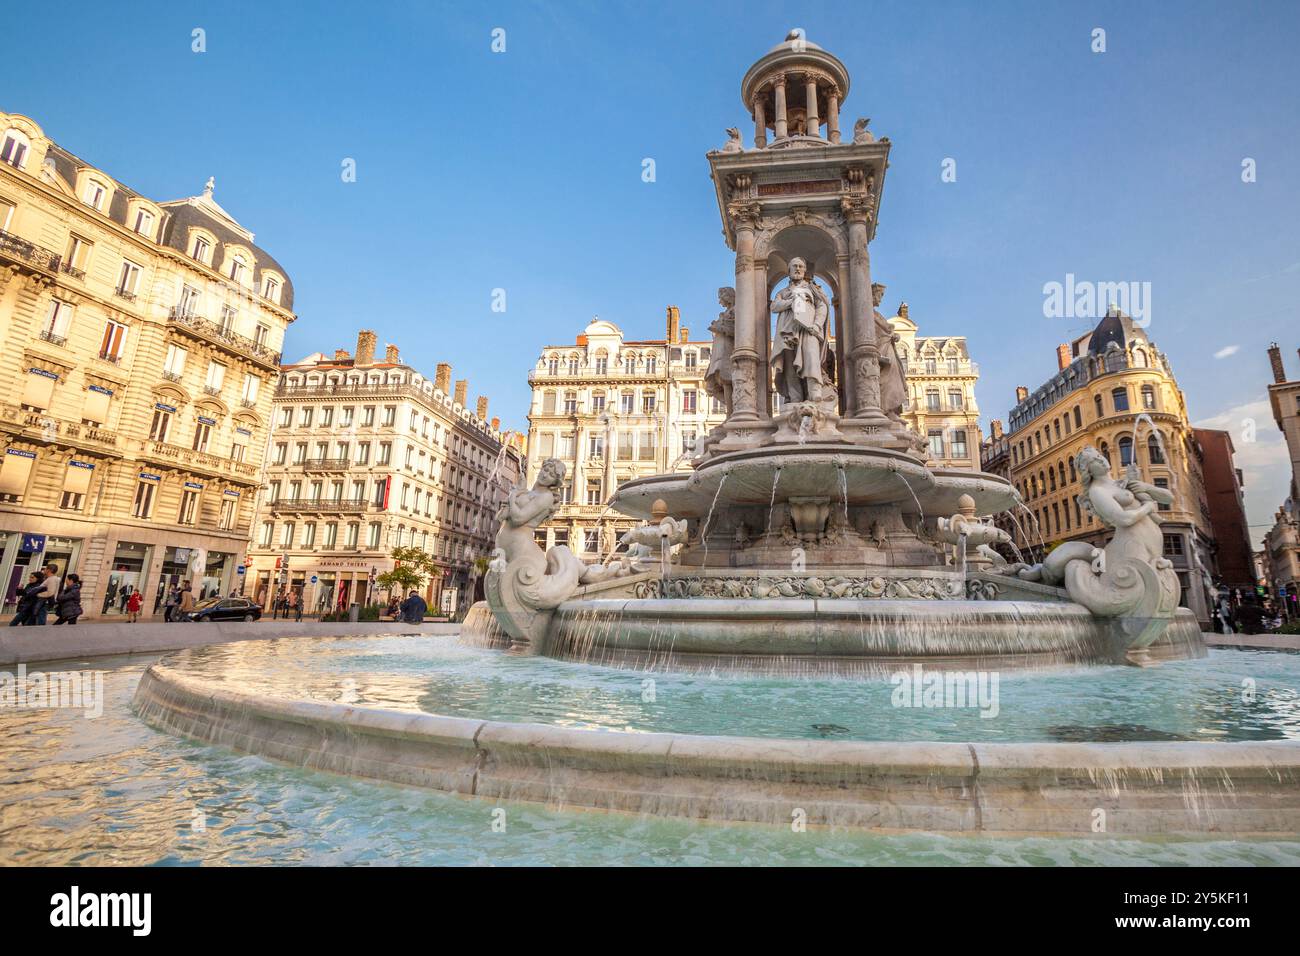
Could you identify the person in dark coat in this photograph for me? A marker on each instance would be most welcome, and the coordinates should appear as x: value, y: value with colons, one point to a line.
x: 413, y: 609
x: 68, y: 603
x: 25, y: 610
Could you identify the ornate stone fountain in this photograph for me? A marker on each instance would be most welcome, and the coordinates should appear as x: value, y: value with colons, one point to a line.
x: 812, y: 534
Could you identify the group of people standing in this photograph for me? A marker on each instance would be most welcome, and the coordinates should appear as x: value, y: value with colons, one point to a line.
x: 288, y: 603
x: 45, y: 591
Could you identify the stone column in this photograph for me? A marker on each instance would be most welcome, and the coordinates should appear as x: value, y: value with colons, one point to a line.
x: 865, y: 356
x: 763, y: 338
x: 833, y: 115
x: 844, y: 336
x: 760, y: 120
x: 745, y: 355
x: 813, y: 120
x: 781, y: 129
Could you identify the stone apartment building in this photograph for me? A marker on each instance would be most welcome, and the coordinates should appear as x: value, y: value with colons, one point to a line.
x: 613, y: 410
x: 941, y: 380
x: 366, y: 455
x: 1105, y: 380
x: 139, y: 343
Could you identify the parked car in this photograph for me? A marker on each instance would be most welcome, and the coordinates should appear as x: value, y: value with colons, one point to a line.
x: 224, y: 609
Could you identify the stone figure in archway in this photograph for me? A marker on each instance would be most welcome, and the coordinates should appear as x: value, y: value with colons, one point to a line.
x: 893, y: 377
x: 717, y: 378
x: 801, y: 345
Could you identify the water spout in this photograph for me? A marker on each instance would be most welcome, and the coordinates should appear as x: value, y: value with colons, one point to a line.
x: 771, y: 505
x: 704, y: 529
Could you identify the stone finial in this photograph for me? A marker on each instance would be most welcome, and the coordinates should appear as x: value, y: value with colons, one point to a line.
x: 210, y: 186
x: 966, y: 506
x: 659, y: 510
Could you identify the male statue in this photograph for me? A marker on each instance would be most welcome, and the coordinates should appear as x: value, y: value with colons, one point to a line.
x: 801, y: 345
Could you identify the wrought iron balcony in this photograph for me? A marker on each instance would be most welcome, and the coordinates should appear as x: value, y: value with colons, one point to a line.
x: 52, y: 338
x: 71, y: 270
x: 221, y: 335
x: 28, y: 253
x: 171, y: 376
x: 322, y: 505
x: 112, y: 357
x: 124, y: 294
x: 211, y: 390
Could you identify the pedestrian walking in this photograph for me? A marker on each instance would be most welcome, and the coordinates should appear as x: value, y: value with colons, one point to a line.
x: 47, y: 595
x: 68, y: 603
x: 133, y: 604
x: 25, y: 611
x: 186, y: 602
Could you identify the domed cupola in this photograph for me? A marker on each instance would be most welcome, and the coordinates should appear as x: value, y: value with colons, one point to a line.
x: 794, y: 90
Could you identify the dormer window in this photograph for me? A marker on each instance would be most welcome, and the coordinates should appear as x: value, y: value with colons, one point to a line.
x: 14, y: 149
x: 238, y: 269
x: 95, y: 195
x: 143, y: 223
x: 202, y: 250
x: 271, y: 289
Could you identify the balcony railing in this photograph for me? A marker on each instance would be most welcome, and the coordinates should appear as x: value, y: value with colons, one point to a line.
x: 196, y: 460
x: 40, y: 426
x: 325, y: 464
x: 124, y: 294
x: 351, y: 505
x: 171, y: 376
x: 112, y: 357
x: 72, y: 271
x: 211, y: 390
x: 52, y: 338
x: 15, y: 247
x: 221, y: 335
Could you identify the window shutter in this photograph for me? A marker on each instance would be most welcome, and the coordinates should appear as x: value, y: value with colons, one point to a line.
x: 39, y: 388
x: 77, y: 480
x: 14, y: 471
x: 96, y: 407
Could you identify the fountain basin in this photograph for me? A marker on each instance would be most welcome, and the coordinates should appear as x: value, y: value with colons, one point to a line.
x: 994, y: 788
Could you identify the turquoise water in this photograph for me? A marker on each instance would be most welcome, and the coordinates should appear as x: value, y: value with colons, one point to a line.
x: 1228, y: 696
x: 113, y: 791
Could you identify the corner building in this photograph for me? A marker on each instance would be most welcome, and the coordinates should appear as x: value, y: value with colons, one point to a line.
x: 140, y: 340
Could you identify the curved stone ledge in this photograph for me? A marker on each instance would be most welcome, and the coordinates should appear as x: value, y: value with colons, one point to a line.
x: 1042, y: 789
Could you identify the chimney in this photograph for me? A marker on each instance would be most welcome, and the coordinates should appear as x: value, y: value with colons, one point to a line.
x: 390, y: 354
x: 1275, y: 359
x: 365, y: 347
x: 686, y: 334
x: 674, y: 323
x: 1022, y: 393
x: 462, y: 386
x: 480, y: 408
x: 1062, y: 357
x: 442, y: 378
x: 496, y: 424
x: 996, y: 425
x: 341, y: 355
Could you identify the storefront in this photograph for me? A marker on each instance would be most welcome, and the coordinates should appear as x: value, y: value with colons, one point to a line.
x: 175, y: 569
x: 22, y: 553
x: 217, y: 575
x: 126, y: 575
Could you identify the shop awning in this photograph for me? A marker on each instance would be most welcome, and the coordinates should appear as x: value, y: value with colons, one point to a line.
x: 14, y: 471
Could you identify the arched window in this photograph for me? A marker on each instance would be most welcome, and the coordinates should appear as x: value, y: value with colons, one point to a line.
x: 1051, y: 479
x: 1119, y: 397
x: 238, y: 268
x: 1105, y: 450
x: 629, y: 364
x: 1060, y: 468
x: 1140, y: 359
x: 651, y: 364
x: 552, y: 365
x: 1126, y: 450
x: 1148, y: 397
x: 1155, y: 454
x: 573, y: 365
x: 1074, y: 476
x: 1078, y: 417
x: 1097, y: 401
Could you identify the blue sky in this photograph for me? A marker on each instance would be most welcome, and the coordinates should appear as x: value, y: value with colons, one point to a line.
x: 522, y: 170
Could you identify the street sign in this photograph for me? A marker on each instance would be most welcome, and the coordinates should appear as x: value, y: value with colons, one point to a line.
x: 239, y: 570
x: 35, y: 543
x: 313, y: 579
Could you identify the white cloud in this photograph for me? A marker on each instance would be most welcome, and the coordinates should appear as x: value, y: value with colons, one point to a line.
x: 1264, y: 463
x: 1227, y: 350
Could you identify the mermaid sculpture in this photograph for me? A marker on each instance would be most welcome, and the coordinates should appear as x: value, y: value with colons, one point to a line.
x: 1129, y: 580
x: 525, y: 584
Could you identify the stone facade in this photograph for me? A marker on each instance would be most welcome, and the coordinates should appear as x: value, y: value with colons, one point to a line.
x: 613, y: 410
x: 366, y: 456
x: 1281, y: 554
x: 1234, y: 565
x: 941, y: 381
x: 1104, y: 382
x: 140, y: 343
